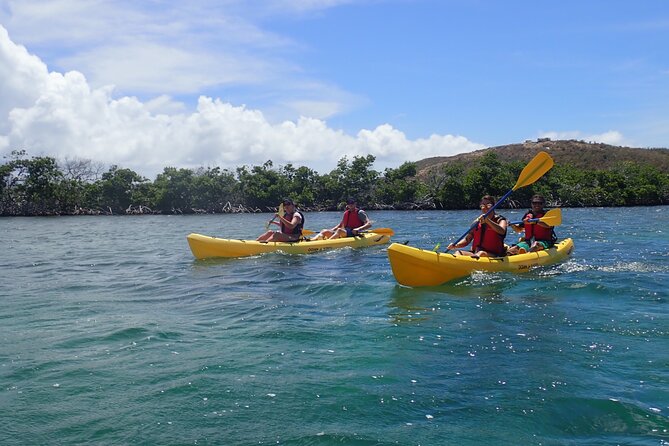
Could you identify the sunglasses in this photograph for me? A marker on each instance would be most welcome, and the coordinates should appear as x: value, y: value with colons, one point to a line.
x: 537, y: 202
x: 485, y: 205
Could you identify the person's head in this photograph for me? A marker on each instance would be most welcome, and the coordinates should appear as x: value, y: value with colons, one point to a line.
x: 351, y: 203
x: 538, y: 201
x: 287, y: 202
x: 487, y: 201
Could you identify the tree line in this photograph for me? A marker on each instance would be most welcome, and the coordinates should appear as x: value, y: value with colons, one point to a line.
x: 44, y: 186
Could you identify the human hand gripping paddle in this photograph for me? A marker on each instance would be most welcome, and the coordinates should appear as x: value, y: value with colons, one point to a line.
x: 280, y: 212
x: 551, y: 218
x: 534, y: 170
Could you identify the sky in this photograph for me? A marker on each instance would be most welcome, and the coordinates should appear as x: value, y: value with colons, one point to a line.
x: 149, y: 84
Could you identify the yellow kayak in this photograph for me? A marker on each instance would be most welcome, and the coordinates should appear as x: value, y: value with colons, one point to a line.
x: 419, y: 267
x: 204, y: 247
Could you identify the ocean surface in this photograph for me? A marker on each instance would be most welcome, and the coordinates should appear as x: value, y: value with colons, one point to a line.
x: 112, y: 333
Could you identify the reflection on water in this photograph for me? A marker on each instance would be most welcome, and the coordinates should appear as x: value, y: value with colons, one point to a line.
x: 416, y: 304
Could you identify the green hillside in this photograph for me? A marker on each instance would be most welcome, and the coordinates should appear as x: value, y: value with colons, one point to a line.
x: 578, y: 154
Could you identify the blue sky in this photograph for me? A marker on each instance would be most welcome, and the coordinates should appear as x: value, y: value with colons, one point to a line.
x: 230, y: 82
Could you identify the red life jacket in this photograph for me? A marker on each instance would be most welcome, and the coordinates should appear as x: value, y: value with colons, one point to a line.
x: 537, y: 231
x: 486, y: 239
x: 352, y: 219
x: 298, y: 227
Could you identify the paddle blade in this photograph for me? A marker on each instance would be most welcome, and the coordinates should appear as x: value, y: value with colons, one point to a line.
x: 552, y: 217
x: 534, y: 170
x: 383, y: 231
x: 307, y: 232
x: 279, y: 211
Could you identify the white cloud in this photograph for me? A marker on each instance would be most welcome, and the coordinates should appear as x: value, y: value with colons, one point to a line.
x: 21, y: 76
x: 181, y: 48
x: 160, y: 68
x: 141, y: 47
x: 61, y: 115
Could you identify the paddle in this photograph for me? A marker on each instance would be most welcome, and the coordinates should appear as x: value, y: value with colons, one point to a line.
x: 551, y: 218
x: 534, y: 170
x: 279, y: 211
x: 381, y: 231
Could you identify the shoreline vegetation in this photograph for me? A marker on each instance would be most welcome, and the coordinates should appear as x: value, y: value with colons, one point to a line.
x: 584, y: 175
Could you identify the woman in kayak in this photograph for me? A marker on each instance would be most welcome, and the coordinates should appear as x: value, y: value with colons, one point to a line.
x: 487, y: 236
x: 291, y: 224
x: 353, y: 221
x: 538, y: 236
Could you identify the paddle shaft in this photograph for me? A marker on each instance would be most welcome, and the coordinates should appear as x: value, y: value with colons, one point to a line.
x: 535, y: 220
x: 531, y: 221
x: 381, y: 231
x: 551, y: 218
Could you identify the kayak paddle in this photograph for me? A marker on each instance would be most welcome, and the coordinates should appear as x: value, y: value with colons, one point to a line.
x: 279, y: 211
x: 552, y: 218
x: 381, y: 231
x: 534, y: 170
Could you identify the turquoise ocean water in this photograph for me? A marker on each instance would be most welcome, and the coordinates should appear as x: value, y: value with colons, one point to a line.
x: 111, y: 333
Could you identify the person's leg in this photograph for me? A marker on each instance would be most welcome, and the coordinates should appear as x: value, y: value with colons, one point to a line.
x: 523, y: 247
x: 463, y: 253
x: 538, y: 246
x: 338, y: 234
x: 325, y: 233
x: 281, y: 237
x: 266, y: 236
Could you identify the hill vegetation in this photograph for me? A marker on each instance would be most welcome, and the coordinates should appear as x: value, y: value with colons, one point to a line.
x: 577, y: 154
x: 584, y: 174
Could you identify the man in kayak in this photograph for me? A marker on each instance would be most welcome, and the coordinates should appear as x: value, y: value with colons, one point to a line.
x: 487, y: 236
x: 291, y: 224
x: 352, y: 223
x: 538, y: 235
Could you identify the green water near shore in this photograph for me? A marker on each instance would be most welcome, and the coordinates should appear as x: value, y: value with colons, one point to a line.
x: 113, y: 334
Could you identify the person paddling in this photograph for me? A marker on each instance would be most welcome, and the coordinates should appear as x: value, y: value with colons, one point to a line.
x: 487, y: 237
x: 291, y: 225
x: 352, y: 223
x: 538, y: 235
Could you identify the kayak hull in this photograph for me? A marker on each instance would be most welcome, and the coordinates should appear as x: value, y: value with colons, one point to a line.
x: 416, y: 267
x: 204, y: 247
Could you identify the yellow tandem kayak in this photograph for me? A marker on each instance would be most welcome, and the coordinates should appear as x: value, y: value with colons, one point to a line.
x: 204, y: 247
x: 416, y: 267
